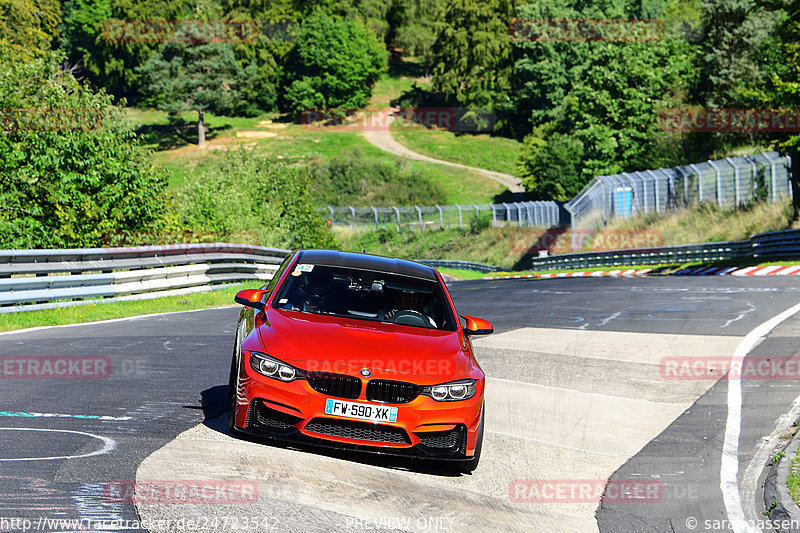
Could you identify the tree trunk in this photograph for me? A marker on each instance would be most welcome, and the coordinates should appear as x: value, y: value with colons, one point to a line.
x: 201, y: 130
x: 795, y: 155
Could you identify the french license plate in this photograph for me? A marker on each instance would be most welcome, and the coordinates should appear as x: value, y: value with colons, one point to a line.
x: 362, y: 411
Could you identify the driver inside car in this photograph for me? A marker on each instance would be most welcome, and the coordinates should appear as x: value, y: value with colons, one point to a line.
x: 408, y: 301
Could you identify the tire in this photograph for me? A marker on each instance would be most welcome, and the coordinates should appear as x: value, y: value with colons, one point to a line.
x: 232, y: 386
x: 470, y: 465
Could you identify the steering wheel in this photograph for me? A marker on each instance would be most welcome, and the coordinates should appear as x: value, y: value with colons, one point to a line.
x: 409, y: 317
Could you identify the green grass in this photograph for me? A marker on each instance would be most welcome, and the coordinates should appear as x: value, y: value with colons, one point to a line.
x: 301, y: 143
x: 793, y: 479
x: 481, y: 151
x: 491, y: 246
x: 460, y: 274
x: 105, y: 311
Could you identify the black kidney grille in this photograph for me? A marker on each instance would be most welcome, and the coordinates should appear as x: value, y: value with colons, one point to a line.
x: 384, y: 391
x: 337, y: 385
x: 358, y: 430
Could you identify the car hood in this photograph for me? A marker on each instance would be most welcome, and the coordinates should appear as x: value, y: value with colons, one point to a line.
x: 321, y: 343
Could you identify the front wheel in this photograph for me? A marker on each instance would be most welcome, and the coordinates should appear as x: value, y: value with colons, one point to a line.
x: 470, y: 465
x: 233, y: 382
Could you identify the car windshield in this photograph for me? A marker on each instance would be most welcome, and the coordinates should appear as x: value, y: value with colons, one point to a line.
x: 365, y: 295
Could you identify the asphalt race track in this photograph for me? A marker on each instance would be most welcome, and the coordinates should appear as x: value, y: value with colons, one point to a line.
x: 579, y: 391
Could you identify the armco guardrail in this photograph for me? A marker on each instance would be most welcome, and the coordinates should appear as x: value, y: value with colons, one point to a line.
x: 41, y: 276
x: 461, y: 265
x: 773, y: 245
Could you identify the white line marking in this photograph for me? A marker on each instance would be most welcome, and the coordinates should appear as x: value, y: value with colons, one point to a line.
x: 729, y: 466
x: 108, y: 445
x: 22, y: 414
x: 608, y: 319
x: 741, y: 316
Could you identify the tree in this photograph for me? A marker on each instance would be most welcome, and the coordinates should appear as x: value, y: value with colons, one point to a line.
x: 72, y: 170
x: 27, y: 26
x: 197, y: 77
x: 262, y: 195
x: 605, y: 95
x: 472, y: 54
x: 334, y: 64
x: 413, y: 25
x: 103, y: 38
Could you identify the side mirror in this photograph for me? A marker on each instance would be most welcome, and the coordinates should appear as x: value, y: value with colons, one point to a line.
x: 477, y: 326
x: 250, y: 298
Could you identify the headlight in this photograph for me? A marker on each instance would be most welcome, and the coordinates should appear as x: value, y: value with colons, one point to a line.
x: 272, y: 368
x: 451, y: 392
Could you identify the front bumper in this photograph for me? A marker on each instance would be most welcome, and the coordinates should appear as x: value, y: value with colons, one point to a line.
x: 294, y: 411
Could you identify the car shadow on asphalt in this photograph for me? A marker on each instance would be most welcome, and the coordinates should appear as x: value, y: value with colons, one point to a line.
x: 214, y: 402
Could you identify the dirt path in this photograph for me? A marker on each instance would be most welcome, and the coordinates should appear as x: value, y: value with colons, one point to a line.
x: 383, y: 139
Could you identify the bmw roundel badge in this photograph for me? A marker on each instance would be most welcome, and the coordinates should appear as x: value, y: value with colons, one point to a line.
x: 365, y: 372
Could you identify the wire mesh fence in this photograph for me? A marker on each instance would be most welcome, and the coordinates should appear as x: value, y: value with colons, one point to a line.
x: 727, y: 182
x: 421, y: 218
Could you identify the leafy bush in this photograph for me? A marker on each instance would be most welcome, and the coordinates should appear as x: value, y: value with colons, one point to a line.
x: 72, y: 170
x: 334, y: 64
x: 246, y: 193
x: 351, y: 179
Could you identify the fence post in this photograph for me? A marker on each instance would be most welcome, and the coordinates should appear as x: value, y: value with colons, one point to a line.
x: 519, y: 214
x: 719, y: 182
x: 699, y: 182
x: 494, y: 214
x: 460, y: 218
x: 736, y: 178
x: 375, y: 212
x: 753, y: 163
x: 441, y: 217
x: 774, y: 179
x: 685, y: 177
x: 397, y: 212
x: 332, y: 215
x: 655, y: 186
x: 419, y: 214
x: 353, y: 213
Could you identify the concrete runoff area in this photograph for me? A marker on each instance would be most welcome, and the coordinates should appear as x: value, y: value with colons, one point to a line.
x: 563, y: 406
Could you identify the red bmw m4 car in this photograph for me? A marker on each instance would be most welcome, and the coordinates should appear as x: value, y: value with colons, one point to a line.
x: 362, y: 352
